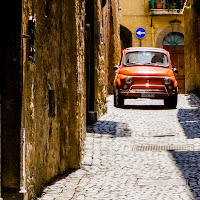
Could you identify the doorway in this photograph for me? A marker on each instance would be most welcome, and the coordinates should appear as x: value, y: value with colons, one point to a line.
x: 174, y: 43
x: 126, y: 37
x: 11, y: 77
x: 89, y: 62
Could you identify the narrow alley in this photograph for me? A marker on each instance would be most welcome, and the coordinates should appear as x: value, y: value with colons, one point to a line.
x: 141, y: 152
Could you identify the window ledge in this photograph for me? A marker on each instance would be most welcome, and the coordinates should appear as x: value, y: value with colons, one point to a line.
x: 166, y: 11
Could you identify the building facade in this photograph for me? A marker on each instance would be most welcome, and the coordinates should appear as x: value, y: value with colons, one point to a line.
x: 55, y: 58
x: 164, y: 29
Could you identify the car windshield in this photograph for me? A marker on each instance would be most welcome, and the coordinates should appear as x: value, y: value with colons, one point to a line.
x: 146, y: 58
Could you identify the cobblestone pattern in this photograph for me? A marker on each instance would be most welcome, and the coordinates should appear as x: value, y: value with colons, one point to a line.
x: 113, y: 168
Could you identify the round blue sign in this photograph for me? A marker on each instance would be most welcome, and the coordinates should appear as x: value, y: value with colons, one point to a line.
x: 140, y: 33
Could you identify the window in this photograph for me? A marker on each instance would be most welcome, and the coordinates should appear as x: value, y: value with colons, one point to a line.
x: 174, y: 39
x: 146, y: 58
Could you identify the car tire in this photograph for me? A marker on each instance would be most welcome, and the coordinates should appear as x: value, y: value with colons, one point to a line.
x: 119, y: 99
x: 171, y: 102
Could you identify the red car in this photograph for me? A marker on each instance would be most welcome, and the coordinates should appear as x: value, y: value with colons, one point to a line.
x: 145, y: 72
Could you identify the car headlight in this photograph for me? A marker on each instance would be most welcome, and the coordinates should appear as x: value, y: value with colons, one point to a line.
x: 168, y: 81
x: 128, y: 80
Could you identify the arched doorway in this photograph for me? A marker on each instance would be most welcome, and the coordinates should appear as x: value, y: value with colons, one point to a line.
x: 126, y: 37
x: 174, y: 43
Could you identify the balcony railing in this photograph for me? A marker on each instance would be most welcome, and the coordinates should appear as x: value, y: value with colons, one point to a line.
x: 164, y: 7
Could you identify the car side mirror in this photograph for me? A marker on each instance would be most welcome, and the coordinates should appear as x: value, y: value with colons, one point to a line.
x: 175, y: 70
x: 115, y: 67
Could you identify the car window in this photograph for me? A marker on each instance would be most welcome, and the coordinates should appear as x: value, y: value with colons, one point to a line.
x: 146, y: 58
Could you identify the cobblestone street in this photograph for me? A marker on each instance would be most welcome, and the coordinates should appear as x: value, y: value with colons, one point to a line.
x: 141, y: 152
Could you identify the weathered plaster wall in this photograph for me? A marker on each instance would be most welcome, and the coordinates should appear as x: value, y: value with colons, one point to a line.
x: 53, y: 140
x: 192, y: 49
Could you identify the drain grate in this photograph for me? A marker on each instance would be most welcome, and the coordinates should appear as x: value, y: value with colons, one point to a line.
x: 164, y: 135
x: 162, y: 182
x: 163, y: 147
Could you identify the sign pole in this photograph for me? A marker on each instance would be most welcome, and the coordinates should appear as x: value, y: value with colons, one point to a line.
x: 140, y: 43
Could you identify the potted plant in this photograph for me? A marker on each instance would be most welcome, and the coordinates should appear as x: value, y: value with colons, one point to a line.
x: 151, y: 2
x: 180, y: 4
x: 174, y: 4
x: 159, y: 4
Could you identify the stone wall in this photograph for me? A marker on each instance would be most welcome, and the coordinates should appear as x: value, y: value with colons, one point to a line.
x: 100, y: 73
x: 192, y: 48
x: 51, y: 85
x: 115, y: 43
x: 53, y: 111
x: 107, y: 51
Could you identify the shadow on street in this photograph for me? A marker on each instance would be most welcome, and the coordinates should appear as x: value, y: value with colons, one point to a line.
x: 193, y: 100
x: 145, y: 107
x: 189, y: 164
x: 189, y: 161
x: 115, y: 129
x: 189, y: 119
x: 190, y: 122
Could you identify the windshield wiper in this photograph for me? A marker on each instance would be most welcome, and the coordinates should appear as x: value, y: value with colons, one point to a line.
x: 133, y: 64
x: 154, y: 64
x: 150, y: 63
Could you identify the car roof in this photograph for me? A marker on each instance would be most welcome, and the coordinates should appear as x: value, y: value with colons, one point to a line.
x: 129, y: 49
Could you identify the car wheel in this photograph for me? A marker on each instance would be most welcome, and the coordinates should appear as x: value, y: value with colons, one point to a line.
x: 171, y: 102
x: 119, y: 99
x: 174, y: 100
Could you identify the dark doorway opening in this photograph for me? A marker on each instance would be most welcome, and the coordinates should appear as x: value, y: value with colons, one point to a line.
x: 11, y: 68
x: 89, y: 62
x: 126, y: 37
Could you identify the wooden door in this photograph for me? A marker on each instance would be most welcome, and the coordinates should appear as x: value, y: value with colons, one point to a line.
x: 177, y: 59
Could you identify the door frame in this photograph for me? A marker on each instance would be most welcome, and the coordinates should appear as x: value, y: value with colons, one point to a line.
x: 178, y: 77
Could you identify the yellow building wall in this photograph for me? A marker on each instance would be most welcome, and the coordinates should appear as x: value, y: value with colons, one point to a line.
x: 136, y: 14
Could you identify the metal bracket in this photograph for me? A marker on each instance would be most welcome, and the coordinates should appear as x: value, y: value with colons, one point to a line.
x: 31, y: 37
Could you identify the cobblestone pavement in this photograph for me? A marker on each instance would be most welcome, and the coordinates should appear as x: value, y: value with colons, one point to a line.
x: 141, y: 152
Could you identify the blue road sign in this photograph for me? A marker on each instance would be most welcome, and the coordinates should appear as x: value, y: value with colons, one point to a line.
x: 140, y: 33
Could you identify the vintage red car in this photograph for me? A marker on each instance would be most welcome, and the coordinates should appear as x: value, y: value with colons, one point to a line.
x: 145, y: 72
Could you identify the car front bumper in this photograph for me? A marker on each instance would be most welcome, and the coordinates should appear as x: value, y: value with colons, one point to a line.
x: 152, y: 93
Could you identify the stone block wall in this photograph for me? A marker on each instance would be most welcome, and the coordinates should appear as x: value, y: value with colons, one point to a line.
x: 192, y: 48
x: 100, y: 67
x: 107, y: 50
x: 53, y: 102
x: 114, y: 43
